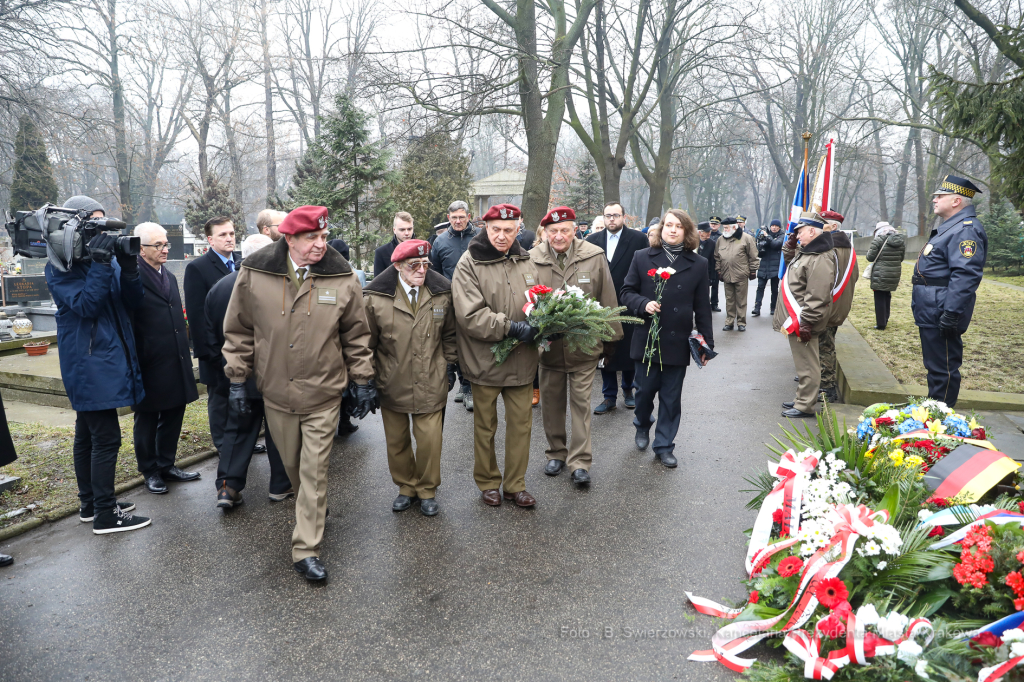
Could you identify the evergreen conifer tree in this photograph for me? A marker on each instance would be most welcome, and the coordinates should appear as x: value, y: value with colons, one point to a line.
x: 33, y: 184
x: 435, y: 172
x: 586, y: 196
x: 211, y: 200
x: 1005, y: 236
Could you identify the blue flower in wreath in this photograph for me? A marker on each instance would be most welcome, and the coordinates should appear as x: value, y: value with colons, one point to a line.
x: 957, y: 425
x: 908, y: 409
x: 910, y: 425
x: 865, y: 430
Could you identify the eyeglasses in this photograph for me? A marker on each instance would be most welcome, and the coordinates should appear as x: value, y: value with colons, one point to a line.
x: 612, y: 216
x: 417, y: 265
x: 162, y: 246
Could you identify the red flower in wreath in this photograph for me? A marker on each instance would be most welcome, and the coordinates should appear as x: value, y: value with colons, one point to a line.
x: 777, y: 516
x: 665, y: 275
x: 832, y: 627
x: 1020, y: 505
x: 883, y: 421
x: 754, y: 597
x: 830, y: 592
x: 978, y: 433
x: 936, y: 532
x: 985, y: 639
x: 540, y: 290
x: 652, y: 272
x: 937, y: 501
x: 790, y: 566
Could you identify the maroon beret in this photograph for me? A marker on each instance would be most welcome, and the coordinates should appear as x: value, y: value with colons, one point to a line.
x: 832, y: 216
x: 558, y: 215
x: 304, y: 219
x: 410, y: 248
x: 502, y: 212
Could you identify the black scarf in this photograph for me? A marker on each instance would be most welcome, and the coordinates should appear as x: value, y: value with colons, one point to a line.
x: 157, y: 278
x: 672, y: 250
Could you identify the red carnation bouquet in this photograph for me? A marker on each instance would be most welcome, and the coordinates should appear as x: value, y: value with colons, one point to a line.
x: 660, y: 277
x: 565, y: 313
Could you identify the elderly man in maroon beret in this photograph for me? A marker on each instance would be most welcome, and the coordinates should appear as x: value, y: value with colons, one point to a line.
x: 296, y: 319
x: 412, y: 333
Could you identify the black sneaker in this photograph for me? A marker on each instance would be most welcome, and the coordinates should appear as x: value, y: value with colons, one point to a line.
x: 117, y: 521
x: 87, y: 514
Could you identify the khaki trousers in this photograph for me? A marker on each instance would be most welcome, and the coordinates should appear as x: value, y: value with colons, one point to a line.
x: 553, y: 383
x: 808, y: 368
x: 419, y: 475
x: 736, y: 302
x: 518, y: 428
x: 305, y: 441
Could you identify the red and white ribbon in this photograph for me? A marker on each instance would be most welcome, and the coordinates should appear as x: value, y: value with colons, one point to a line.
x: 837, y: 290
x: 792, y: 323
x: 995, y: 673
x: 787, y: 495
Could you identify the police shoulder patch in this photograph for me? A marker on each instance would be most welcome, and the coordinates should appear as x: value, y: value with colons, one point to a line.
x: 968, y: 247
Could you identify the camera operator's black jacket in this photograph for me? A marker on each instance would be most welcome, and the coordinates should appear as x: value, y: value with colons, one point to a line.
x: 98, y: 361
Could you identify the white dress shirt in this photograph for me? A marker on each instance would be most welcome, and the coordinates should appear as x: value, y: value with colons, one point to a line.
x: 613, y: 241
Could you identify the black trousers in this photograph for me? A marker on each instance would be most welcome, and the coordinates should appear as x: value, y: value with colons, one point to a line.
x: 217, y: 412
x: 453, y: 370
x: 667, y: 384
x: 240, y: 438
x: 97, y: 441
x: 883, y: 300
x: 156, y: 439
x: 714, y: 291
x: 942, y: 359
x: 761, y: 282
x: 608, y: 388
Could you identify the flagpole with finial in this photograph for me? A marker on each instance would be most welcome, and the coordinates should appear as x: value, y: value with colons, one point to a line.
x: 807, y: 137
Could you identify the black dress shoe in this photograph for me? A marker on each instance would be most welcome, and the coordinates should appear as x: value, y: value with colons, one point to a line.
x: 553, y: 467
x: 605, y: 407
x: 345, y: 428
x: 756, y: 313
x: 630, y: 401
x: 788, y: 404
x: 429, y: 507
x: 259, y: 449
x: 176, y: 474
x: 668, y: 460
x: 6, y: 560
x: 643, y: 438
x: 581, y: 477
x: 796, y: 378
x: 741, y: 327
x: 155, y: 484
x: 401, y: 503
x: 727, y: 328
x: 311, y: 569
x: 715, y: 309
x: 794, y: 413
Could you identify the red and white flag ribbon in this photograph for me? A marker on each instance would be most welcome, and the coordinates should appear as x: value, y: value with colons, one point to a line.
x: 995, y: 673
x: 792, y: 323
x: 787, y: 495
x: 837, y: 290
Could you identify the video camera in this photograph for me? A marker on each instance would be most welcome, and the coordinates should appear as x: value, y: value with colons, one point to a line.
x: 61, y: 234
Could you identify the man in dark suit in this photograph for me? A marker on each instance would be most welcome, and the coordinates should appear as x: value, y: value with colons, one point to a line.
x: 161, y: 340
x: 200, y: 276
x: 619, y: 244
x: 403, y: 229
x: 241, y: 431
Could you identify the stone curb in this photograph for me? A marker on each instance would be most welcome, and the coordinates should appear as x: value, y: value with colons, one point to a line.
x: 58, y: 514
x: 864, y: 379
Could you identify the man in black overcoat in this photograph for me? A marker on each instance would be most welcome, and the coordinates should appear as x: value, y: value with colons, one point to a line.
x: 161, y: 340
x: 200, y: 276
x: 624, y: 242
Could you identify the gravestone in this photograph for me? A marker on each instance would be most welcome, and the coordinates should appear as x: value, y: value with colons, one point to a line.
x: 26, y: 288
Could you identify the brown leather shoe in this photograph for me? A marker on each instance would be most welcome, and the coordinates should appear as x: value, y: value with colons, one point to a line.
x: 491, y: 497
x: 521, y: 498
x: 536, y: 396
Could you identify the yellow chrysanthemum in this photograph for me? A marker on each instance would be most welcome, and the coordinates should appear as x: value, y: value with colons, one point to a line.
x: 896, y: 457
x: 913, y: 461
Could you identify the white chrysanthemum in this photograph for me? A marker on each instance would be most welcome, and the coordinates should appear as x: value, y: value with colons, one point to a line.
x: 1017, y: 649
x: 921, y: 669
x: 908, y: 651
x: 574, y: 291
x: 882, y: 564
x: 1013, y: 635
x: 867, y: 615
x: 892, y: 625
x: 924, y: 514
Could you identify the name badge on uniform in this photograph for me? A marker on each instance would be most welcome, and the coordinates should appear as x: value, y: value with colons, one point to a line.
x: 927, y: 249
x: 529, y: 279
x: 583, y: 278
x: 439, y: 312
x: 327, y: 296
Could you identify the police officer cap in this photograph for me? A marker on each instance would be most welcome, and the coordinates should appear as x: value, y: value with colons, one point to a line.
x: 741, y: 218
x: 953, y: 184
x: 715, y: 220
x: 729, y: 221
x: 704, y: 227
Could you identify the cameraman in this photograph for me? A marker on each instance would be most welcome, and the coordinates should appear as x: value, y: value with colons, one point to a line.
x: 99, y: 366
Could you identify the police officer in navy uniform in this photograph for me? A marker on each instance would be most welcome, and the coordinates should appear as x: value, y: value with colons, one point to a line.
x: 946, y: 280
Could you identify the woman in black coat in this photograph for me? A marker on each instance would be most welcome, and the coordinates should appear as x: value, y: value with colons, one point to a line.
x: 684, y: 301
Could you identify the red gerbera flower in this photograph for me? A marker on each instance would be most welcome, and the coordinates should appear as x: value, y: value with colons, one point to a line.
x: 830, y: 592
x: 790, y: 566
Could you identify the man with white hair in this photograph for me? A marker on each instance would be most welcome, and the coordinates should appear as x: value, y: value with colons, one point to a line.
x: 161, y: 339
x: 240, y: 431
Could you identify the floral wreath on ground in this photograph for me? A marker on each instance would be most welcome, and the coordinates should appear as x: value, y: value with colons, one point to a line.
x: 861, y: 572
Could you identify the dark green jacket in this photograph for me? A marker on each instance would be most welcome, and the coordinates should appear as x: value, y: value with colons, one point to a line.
x: 886, y: 271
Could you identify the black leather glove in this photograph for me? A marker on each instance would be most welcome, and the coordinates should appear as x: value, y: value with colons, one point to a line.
x: 129, y: 265
x: 949, y: 325
x: 805, y: 334
x: 791, y: 241
x: 238, y: 401
x: 367, y: 400
x: 101, y: 248
x: 752, y: 276
x: 522, y: 331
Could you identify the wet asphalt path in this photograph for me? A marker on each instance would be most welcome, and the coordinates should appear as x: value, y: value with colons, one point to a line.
x: 556, y: 593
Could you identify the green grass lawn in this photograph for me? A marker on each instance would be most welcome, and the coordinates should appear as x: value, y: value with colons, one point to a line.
x: 46, y: 465
x: 993, y: 352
